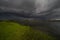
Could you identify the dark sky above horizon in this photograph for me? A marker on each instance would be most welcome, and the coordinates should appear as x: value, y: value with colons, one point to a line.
x: 32, y: 8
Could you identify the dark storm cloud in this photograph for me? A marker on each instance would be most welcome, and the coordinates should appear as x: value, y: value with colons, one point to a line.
x: 33, y: 8
x: 17, y: 5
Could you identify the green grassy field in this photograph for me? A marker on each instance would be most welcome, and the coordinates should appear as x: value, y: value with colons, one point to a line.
x: 14, y: 31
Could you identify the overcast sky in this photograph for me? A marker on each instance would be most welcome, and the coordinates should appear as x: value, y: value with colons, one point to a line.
x: 32, y: 7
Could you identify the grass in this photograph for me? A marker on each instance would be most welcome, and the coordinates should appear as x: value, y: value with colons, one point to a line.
x: 14, y: 31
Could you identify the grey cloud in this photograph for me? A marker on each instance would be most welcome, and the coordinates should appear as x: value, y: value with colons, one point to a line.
x: 17, y: 4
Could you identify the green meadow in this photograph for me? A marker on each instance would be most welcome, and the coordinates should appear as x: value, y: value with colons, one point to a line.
x: 15, y: 31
